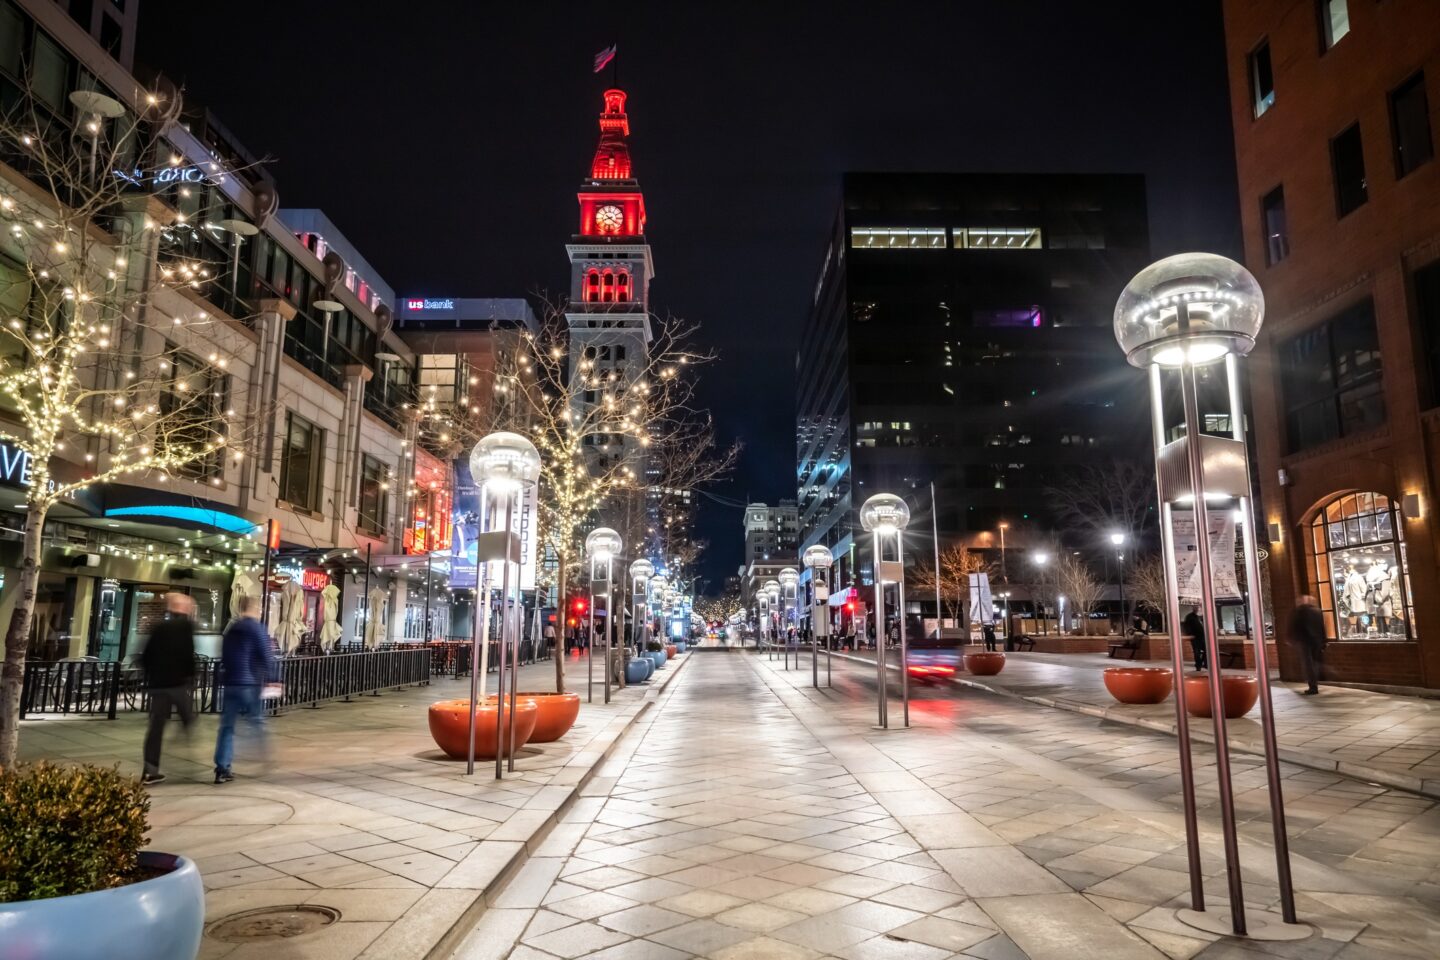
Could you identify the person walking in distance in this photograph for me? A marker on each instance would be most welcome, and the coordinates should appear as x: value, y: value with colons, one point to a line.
x: 988, y: 632
x: 1193, y: 629
x: 246, y: 661
x: 168, y: 662
x: 1307, y: 631
x: 549, y: 638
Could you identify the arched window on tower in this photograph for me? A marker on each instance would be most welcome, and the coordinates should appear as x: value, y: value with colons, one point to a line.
x: 622, y: 286
x: 608, y: 290
x: 591, y: 293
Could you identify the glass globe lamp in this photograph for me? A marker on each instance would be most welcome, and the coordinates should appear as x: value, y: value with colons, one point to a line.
x: 642, y: 569
x: 884, y: 513
x: 1190, y: 308
x: 505, y: 461
x: 817, y: 557
x: 602, y: 543
x: 772, y: 589
x: 789, y: 577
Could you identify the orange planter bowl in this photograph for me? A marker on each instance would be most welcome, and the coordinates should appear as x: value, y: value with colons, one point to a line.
x: 670, y: 651
x: 450, y: 726
x: 1240, y: 691
x: 1139, y: 684
x: 558, y: 712
x: 985, y: 663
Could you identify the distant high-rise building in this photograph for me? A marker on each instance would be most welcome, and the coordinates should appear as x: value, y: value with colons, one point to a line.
x: 960, y: 334
x: 1334, y: 108
x: 772, y: 533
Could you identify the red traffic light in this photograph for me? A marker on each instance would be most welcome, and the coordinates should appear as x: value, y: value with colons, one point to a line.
x: 849, y: 606
x: 579, y: 605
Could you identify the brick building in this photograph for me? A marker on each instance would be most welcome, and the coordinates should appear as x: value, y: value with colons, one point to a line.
x: 1333, y: 103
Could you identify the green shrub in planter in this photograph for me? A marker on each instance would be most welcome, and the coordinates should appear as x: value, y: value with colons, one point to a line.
x: 68, y: 829
x: 654, y: 646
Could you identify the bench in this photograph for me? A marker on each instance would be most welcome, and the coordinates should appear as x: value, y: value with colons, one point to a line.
x: 1021, y: 641
x: 1131, y: 644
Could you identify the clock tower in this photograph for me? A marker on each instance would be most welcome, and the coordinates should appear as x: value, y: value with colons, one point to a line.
x: 610, y: 270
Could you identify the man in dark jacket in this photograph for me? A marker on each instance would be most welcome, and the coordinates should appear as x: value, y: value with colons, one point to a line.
x: 1307, y: 631
x: 1193, y: 629
x: 246, y: 658
x: 168, y: 662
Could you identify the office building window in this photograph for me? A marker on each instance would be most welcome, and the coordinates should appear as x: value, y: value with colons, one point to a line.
x: 1331, y: 379
x: 1410, y: 125
x: 1427, y: 315
x: 998, y: 238
x: 1262, y: 79
x: 1347, y: 160
x: 897, y: 238
x: 302, y: 463
x: 192, y: 402
x: 1334, y: 21
x: 373, y: 503
x: 1272, y: 224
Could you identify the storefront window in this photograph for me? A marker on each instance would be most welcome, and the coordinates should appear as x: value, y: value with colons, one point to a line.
x: 1360, y: 571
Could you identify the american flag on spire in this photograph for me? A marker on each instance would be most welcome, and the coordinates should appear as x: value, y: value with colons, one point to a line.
x: 604, y: 57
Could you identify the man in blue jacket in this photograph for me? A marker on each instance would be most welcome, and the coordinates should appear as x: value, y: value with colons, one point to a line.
x: 246, y: 660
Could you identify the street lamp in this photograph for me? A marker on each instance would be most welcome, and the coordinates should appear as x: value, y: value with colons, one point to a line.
x: 1178, y: 314
x: 772, y: 594
x: 818, y: 560
x: 601, y: 546
x: 1118, y: 540
x: 640, y: 573
x: 885, y: 517
x: 762, y: 616
x: 505, y: 465
x: 789, y: 584
x: 1041, y: 559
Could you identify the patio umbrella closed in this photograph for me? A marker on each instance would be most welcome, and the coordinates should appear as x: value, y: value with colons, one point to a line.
x: 372, y: 620
x: 330, y: 630
x: 292, y: 618
x: 241, y: 587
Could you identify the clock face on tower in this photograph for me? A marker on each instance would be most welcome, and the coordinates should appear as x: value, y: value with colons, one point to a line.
x: 609, y: 218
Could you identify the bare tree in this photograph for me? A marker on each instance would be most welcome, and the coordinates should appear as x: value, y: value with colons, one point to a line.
x: 107, y: 359
x: 1146, y: 587
x: 1079, y: 586
x: 1096, y: 500
x: 957, y: 562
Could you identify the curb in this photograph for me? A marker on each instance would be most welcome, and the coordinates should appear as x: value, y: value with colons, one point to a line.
x: 450, y: 940
x: 1299, y: 758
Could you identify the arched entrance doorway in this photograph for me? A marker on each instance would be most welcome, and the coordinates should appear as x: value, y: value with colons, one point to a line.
x: 1359, y: 571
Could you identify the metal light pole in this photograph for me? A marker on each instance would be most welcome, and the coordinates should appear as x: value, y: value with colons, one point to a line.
x: 772, y: 620
x: 1005, y: 578
x: 818, y: 560
x: 640, y: 573
x: 1179, y: 314
x: 762, y: 617
x: 1040, y: 560
x: 885, y: 516
x: 935, y: 537
x: 505, y: 465
x: 1118, y: 539
x: 601, y: 546
x: 789, y: 603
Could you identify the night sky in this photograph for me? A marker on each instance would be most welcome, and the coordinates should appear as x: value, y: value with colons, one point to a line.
x: 447, y: 141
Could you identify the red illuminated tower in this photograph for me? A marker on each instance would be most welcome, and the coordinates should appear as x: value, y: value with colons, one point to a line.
x: 610, y: 263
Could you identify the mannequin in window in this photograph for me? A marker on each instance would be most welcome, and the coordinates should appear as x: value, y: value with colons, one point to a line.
x: 1353, y: 594
x: 1382, y: 595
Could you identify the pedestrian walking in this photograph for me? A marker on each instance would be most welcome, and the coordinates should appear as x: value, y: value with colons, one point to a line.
x: 987, y: 631
x: 246, y: 662
x: 1193, y: 629
x: 1307, y: 631
x: 168, y: 662
x: 549, y: 638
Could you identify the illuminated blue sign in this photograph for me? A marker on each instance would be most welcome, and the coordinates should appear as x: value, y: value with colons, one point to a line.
x: 422, y: 303
x: 213, y: 518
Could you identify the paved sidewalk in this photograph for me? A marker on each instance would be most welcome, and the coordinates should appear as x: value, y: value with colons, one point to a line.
x: 359, y: 811
x: 1381, y: 737
x: 749, y: 816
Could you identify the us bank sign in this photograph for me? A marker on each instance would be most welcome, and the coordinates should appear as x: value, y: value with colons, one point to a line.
x: 420, y: 303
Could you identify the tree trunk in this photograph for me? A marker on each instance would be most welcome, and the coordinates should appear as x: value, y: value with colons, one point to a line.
x: 17, y: 637
x: 561, y: 615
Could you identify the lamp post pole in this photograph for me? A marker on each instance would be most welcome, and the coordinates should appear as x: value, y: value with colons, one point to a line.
x: 935, y: 538
x: 885, y: 515
x: 1182, y: 313
x: 1040, y: 560
x: 601, y: 546
x: 818, y: 560
x: 1118, y: 540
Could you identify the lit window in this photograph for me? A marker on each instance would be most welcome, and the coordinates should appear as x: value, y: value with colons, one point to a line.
x: 998, y: 238
x: 1262, y: 79
x: 1334, y: 21
x: 1272, y: 223
x: 897, y: 238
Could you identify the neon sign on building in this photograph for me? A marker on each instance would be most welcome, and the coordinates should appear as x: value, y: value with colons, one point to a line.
x: 430, y: 526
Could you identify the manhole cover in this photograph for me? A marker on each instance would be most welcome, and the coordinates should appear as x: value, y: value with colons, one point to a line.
x: 273, y: 923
